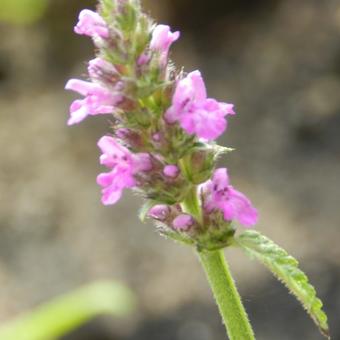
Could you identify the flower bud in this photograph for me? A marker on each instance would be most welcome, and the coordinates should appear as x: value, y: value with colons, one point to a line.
x: 183, y: 222
x: 171, y: 171
x: 159, y: 212
x: 156, y: 137
x: 130, y: 137
x: 103, y: 71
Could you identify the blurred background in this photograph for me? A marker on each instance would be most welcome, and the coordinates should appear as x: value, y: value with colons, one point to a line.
x: 278, y: 62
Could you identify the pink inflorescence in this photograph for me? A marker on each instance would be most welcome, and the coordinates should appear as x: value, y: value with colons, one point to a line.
x: 164, y: 124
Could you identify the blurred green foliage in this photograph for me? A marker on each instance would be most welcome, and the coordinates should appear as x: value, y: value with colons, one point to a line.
x: 22, y: 11
x: 69, y: 311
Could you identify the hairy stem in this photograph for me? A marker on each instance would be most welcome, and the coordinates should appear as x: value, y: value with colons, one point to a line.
x: 191, y: 204
x: 221, y: 282
x: 226, y: 295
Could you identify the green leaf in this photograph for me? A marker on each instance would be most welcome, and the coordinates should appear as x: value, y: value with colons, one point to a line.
x: 285, y: 268
x: 67, y: 312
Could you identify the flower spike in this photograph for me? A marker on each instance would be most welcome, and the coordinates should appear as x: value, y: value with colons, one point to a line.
x: 164, y: 126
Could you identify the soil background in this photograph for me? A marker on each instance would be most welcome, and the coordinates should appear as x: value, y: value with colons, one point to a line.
x: 279, y: 63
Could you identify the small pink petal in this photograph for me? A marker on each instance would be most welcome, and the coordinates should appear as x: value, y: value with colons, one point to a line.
x: 78, y: 112
x: 110, y: 196
x: 80, y: 86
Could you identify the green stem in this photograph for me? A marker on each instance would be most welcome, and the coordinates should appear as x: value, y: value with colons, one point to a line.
x: 226, y: 295
x: 191, y: 204
x: 221, y: 282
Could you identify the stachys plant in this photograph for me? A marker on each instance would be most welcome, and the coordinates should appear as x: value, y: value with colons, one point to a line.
x: 162, y: 146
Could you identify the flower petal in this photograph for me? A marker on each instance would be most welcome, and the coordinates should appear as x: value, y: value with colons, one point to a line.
x: 245, y: 213
x: 78, y: 112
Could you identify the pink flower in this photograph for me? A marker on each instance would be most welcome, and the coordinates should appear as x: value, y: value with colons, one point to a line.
x: 123, y: 164
x: 171, y: 171
x: 196, y: 113
x: 92, y: 24
x: 183, y: 222
x: 98, y: 100
x: 219, y: 194
x: 161, y: 40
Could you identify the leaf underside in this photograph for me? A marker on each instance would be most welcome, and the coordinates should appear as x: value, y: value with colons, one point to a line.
x: 285, y: 268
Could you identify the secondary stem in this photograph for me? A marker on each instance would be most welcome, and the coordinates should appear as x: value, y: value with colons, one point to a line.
x: 226, y: 295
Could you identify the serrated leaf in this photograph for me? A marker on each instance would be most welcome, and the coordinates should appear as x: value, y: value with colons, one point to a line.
x: 67, y: 312
x: 285, y: 268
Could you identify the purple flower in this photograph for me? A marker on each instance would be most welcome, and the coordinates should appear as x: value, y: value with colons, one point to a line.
x: 98, y: 100
x: 161, y: 40
x: 171, y: 171
x: 123, y: 164
x: 92, y: 24
x: 183, y: 222
x: 196, y: 113
x: 219, y: 194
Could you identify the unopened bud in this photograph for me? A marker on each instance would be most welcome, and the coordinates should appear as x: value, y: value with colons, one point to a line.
x: 102, y: 70
x: 183, y: 222
x: 171, y: 171
x: 130, y: 137
x: 159, y: 212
